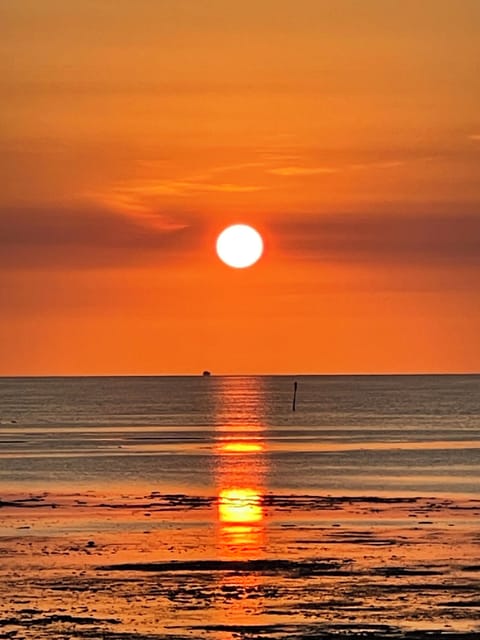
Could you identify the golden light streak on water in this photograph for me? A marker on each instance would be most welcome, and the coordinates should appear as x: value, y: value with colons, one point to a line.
x: 238, y: 506
x: 241, y: 447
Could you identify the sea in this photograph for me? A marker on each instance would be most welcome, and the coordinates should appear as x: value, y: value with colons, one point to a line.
x: 409, y: 434
x: 205, y: 507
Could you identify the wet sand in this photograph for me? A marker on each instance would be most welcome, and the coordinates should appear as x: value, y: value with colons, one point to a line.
x: 140, y: 566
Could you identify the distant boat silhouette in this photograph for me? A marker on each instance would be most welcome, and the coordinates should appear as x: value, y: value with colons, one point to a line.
x: 206, y: 373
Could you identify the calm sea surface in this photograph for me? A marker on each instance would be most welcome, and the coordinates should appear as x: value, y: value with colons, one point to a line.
x: 204, y: 507
x: 349, y: 434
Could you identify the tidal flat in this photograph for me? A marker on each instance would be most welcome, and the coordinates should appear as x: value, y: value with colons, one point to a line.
x: 205, y: 508
x: 157, y: 566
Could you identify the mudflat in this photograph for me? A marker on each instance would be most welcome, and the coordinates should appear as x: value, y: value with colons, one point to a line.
x: 155, y: 565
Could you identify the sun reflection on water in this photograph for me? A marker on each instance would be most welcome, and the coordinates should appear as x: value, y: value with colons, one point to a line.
x: 241, y: 447
x: 240, y: 468
x: 236, y: 506
x: 240, y: 513
x: 240, y: 459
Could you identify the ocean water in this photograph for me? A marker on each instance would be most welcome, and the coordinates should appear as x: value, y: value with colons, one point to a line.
x: 349, y: 435
x: 178, y: 508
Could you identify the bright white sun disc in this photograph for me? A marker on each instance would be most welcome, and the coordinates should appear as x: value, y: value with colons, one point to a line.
x: 239, y: 246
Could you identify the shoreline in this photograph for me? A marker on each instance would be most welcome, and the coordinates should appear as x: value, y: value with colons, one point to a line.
x: 165, y: 566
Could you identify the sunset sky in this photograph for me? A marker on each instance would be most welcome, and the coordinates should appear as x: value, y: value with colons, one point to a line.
x: 133, y: 132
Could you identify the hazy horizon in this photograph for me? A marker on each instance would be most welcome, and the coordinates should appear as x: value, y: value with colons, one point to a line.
x: 247, y: 375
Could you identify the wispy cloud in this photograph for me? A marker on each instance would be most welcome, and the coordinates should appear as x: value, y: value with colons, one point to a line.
x: 422, y: 239
x: 301, y: 171
x: 236, y: 167
x: 298, y: 170
x: 224, y: 187
x: 146, y: 197
x: 183, y: 187
x: 389, y: 164
x: 87, y: 235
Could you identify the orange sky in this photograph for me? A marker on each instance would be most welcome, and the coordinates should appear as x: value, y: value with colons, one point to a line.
x: 347, y: 132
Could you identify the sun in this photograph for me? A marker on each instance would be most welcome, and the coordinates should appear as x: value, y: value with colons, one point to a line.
x: 239, y: 246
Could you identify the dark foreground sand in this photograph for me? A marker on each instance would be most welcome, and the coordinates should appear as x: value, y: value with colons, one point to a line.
x: 156, y: 566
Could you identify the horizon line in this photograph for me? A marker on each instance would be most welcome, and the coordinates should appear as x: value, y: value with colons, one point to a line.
x: 242, y: 375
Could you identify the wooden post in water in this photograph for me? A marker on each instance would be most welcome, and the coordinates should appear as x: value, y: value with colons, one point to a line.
x: 295, y: 385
